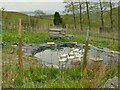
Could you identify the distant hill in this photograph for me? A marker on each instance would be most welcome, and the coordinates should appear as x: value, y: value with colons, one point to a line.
x: 31, y: 13
x: 10, y: 19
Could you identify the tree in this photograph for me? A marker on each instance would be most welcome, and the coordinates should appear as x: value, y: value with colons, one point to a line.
x: 111, y: 18
x: 71, y: 7
x: 73, y: 14
x: 111, y: 15
x: 39, y: 13
x: 88, y: 15
x: 57, y: 19
x: 80, y: 10
x: 101, y: 8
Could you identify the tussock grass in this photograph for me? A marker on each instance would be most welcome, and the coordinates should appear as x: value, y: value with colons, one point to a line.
x: 34, y: 75
x: 11, y: 37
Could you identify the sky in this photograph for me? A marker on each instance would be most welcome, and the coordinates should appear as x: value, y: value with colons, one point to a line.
x: 32, y: 5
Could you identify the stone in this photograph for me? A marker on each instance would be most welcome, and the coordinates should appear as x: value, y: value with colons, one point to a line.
x: 112, y: 83
x: 50, y: 65
x: 70, y: 44
x: 75, y: 62
x: 14, y: 46
x: 96, y: 59
x: 50, y: 43
x: 60, y: 45
x: 78, y: 45
x: 74, y: 42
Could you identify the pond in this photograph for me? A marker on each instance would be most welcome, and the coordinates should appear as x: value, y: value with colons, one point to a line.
x: 49, y: 54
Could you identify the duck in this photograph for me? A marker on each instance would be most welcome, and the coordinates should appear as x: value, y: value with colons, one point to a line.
x: 70, y: 57
x: 76, y: 54
x: 71, y: 53
x: 75, y: 49
x: 62, y: 59
x: 81, y: 51
x: 63, y: 55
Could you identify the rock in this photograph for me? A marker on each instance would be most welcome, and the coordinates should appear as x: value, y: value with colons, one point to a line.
x: 75, y: 62
x: 74, y: 42
x: 60, y: 45
x: 54, y: 66
x: 112, y: 83
x: 14, y: 46
x: 79, y: 45
x: 89, y: 45
x: 96, y: 59
x: 106, y: 50
x: 50, y: 43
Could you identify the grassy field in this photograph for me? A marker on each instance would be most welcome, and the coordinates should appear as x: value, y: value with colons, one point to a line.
x: 33, y: 75
x: 95, y: 19
x: 10, y: 37
x: 11, y: 19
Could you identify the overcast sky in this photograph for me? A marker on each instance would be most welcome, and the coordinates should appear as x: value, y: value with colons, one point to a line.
x: 31, y: 5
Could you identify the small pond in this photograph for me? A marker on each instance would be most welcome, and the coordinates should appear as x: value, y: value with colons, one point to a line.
x: 48, y: 54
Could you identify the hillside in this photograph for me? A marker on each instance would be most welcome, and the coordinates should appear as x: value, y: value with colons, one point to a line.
x: 10, y: 20
x: 95, y: 19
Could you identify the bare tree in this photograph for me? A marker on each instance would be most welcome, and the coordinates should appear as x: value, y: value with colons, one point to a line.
x: 111, y: 15
x: 101, y: 8
x: 111, y: 19
x: 39, y: 13
x: 73, y: 9
x: 88, y: 15
x: 80, y: 10
x: 70, y: 7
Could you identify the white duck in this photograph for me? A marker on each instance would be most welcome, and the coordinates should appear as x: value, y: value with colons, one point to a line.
x: 63, y: 55
x: 70, y: 57
x: 62, y: 59
x: 81, y: 51
x: 75, y: 50
x: 71, y: 53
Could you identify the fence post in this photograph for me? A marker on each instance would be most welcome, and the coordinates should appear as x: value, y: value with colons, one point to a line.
x: 86, y: 49
x: 20, y: 45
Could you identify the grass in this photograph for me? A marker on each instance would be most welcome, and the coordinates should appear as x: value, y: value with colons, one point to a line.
x: 67, y: 19
x: 33, y: 75
x: 11, y: 37
x: 95, y: 19
x: 10, y: 20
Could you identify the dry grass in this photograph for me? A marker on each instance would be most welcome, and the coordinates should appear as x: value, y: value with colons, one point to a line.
x: 10, y: 65
x: 96, y: 74
x: 34, y: 76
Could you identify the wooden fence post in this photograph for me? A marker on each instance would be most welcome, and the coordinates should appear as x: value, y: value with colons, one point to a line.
x: 20, y: 45
x: 86, y: 49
